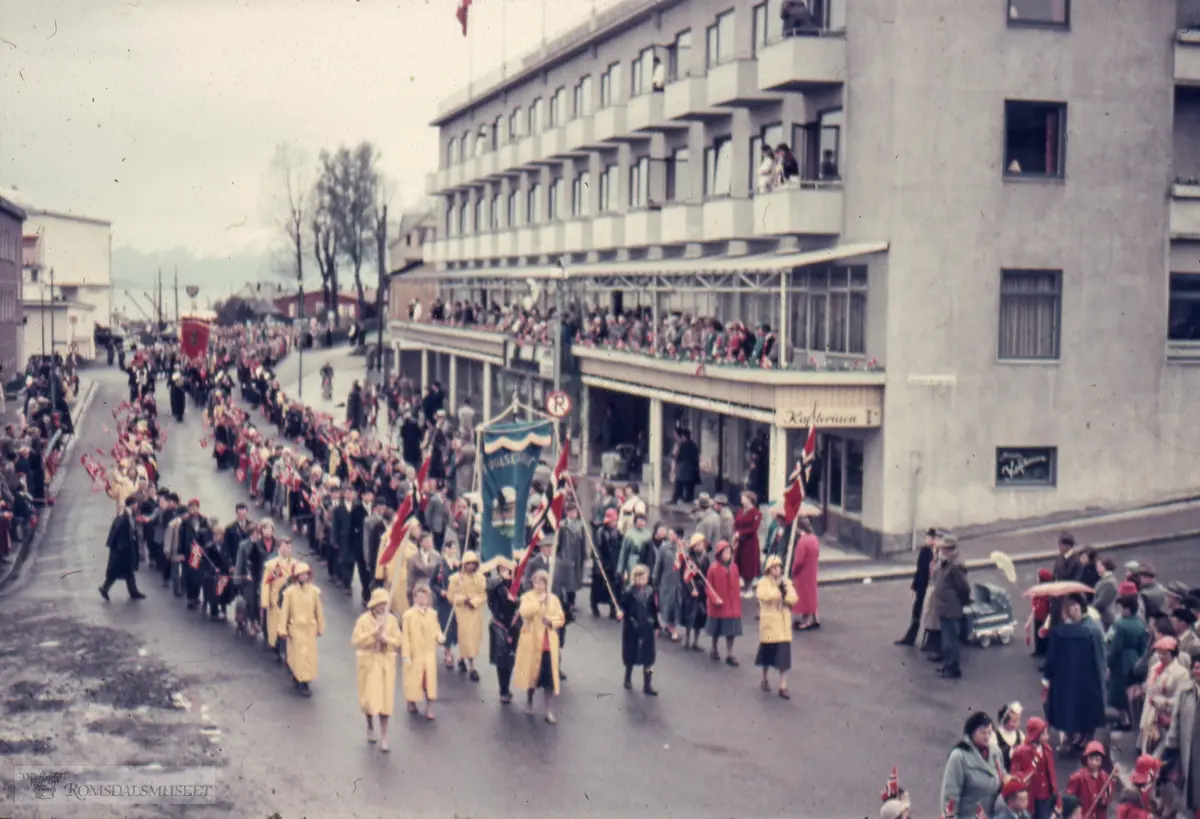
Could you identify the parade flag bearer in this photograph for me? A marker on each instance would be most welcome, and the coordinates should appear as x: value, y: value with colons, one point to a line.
x: 376, y: 639
x: 301, y: 622
x: 776, y: 596
x: 420, y: 637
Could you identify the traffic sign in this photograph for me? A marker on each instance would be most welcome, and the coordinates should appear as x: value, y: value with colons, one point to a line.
x: 558, y: 404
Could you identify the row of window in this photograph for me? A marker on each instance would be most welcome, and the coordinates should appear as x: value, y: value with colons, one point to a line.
x: 10, y: 243
x: 818, y: 145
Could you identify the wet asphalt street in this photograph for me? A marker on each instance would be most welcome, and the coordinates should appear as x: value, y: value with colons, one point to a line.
x: 712, y: 745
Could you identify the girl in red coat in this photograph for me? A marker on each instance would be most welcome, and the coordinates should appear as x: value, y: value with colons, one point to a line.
x: 1091, y: 784
x: 724, y: 602
x: 1033, y: 763
x: 745, y: 528
x: 804, y: 576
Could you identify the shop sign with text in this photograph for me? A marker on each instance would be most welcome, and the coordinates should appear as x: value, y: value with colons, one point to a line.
x: 852, y: 417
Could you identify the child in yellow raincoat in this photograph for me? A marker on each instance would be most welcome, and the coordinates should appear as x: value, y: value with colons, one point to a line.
x: 776, y: 596
x: 468, y: 593
x: 377, y: 638
x: 537, y: 648
x: 301, y: 622
x: 420, y: 637
x: 276, y: 573
x: 394, y: 574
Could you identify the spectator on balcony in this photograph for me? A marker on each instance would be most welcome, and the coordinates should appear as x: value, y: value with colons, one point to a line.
x: 789, y: 167
x: 766, y: 170
x: 658, y: 77
x: 829, y: 168
x: 798, y: 19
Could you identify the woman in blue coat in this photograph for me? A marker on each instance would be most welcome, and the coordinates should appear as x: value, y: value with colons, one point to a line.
x: 1074, y: 675
x: 1127, y: 641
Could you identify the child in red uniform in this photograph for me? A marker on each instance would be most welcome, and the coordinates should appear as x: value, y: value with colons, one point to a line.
x: 1137, y: 801
x: 1033, y: 763
x: 1090, y: 784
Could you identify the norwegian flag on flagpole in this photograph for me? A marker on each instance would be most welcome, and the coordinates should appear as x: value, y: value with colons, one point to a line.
x: 980, y: 813
x: 404, y: 513
x: 793, y: 496
x: 949, y: 812
x: 461, y: 14
x: 892, y: 789
x: 550, y: 516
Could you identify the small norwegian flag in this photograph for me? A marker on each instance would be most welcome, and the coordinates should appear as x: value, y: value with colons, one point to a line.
x: 195, y: 557
x: 240, y: 475
x: 892, y: 789
x: 220, y: 449
x: 204, y: 443
x: 950, y: 812
x: 222, y: 584
x: 980, y: 813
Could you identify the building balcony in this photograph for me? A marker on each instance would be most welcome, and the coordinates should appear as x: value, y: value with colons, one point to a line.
x: 470, y: 246
x: 734, y: 83
x: 728, y: 218
x: 553, y: 144
x: 1185, y: 212
x: 506, y: 158
x: 687, y: 99
x: 645, y: 113
x: 577, y: 236
x: 529, y: 151
x: 802, y: 64
x: 682, y: 223
x: 454, y: 249
x: 579, y: 134
x: 438, y: 250
x: 812, y: 211
x: 608, y: 231
x: 431, y: 183
x: 609, y: 124
x: 506, y: 244
x: 484, y: 345
x: 455, y: 175
x: 1187, y: 57
x: 643, y: 228
x: 551, y: 239
x: 487, y: 245
x: 527, y: 241
x: 483, y: 166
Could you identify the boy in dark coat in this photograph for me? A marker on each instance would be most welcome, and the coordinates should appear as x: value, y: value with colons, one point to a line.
x: 639, y: 611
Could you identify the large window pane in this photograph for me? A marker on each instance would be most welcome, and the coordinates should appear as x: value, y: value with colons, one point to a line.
x: 678, y: 182
x: 817, y: 307
x: 857, y: 341
x: 835, y: 454
x: 1051, y: 12
x: 853, y: 501
x: 1184, y: 312
x: 839, y: 305
x: 1030, y: 309
x: 681, y: 55
x: 1034, y: 138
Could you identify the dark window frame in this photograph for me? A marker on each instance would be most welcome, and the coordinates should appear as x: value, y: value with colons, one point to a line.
x: 1012, y: 462
x: 1020, y: 22
x: 1060, y: 108
x: 1008, y: 300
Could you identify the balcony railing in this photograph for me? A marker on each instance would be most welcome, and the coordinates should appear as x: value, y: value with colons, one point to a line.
x: 1187, y: 57
x: 728, y: 218
x: 1185, y: 211
x: 813, y: 209
x: 803, y: 63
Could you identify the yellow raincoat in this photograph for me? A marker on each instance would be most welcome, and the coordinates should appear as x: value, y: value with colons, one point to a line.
x: 419, y: 638
x: 120, y: 488
x: 463, y: 589
x: 775, y: 610
x: 276, y: 572
x: 533, y: 631
x: 302, y: 621
x: 376, y: 663
x: 399, y: 566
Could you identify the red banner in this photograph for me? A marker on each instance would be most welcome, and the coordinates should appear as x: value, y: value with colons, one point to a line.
x: 193, y: 338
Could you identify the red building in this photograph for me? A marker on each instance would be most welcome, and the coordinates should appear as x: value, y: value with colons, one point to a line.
x: 11, y: 260
x: 314, y: 305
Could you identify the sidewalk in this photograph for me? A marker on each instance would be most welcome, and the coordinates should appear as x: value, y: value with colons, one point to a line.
x: 1025, y: 544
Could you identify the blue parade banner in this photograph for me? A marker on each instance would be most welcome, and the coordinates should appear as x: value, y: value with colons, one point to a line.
x: 511, y: 453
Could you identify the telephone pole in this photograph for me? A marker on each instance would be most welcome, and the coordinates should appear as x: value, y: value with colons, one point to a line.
x: 158, y: 305
x: 176, y: 294
x: 381, y: 253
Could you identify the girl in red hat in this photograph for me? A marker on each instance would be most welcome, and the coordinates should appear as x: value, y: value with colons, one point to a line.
x: 1091, y: 784
x: 1033, y: 763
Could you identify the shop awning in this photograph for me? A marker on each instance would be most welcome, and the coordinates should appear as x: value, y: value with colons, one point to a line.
x: 756, y: 263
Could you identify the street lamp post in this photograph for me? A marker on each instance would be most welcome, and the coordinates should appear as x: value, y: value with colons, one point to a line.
x: 300, y: 335
x: 53, y: 360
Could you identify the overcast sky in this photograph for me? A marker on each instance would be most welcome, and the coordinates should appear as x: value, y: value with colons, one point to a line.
x: 162, y: 115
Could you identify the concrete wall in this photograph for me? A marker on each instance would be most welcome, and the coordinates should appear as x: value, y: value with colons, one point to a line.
x: 79, y: 251
x: 923, y: 169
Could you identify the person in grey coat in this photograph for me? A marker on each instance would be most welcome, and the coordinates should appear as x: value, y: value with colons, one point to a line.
x: 464, y: 467
x: 1105, y: 598
x: 668, y: 582
x: 572, y: 553
x: 725, y: 515
x: 951, y: 594
x: 709, y: 523
x: 437, y: 516
x: 972, y: 776
x: 1181, y: 738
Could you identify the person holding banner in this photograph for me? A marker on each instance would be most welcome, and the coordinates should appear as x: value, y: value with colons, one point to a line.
x: 393, y: 573
x: 536, y: 663
x: 301, y: 623
x: 468, y: 592
x: 376, y: 639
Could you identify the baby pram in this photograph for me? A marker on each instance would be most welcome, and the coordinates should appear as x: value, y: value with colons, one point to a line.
x: 989, y: 617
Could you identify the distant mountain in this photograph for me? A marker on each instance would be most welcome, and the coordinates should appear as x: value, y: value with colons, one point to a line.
x: 217, y: 277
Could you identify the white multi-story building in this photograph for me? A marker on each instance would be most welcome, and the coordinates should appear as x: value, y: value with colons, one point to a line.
x: 986, y: 278
x: 76, y: 251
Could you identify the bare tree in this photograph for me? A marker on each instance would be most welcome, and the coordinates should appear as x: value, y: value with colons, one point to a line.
x: 325, y: 238
x: 290, y: 174
x: 351, y: 176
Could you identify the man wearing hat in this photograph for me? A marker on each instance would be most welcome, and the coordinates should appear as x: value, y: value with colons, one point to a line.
x: 1152, y: 591
x: 604, y: 565
x: 1014, y: 800
x: 192, y: 534
x: 920, y: 585
x: 709, y: 519
x: 122, y: 553
x: 951, y: 593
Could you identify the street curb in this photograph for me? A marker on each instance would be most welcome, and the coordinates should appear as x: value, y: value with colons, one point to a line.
x: 906, y: 572
x: 29, y: 546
